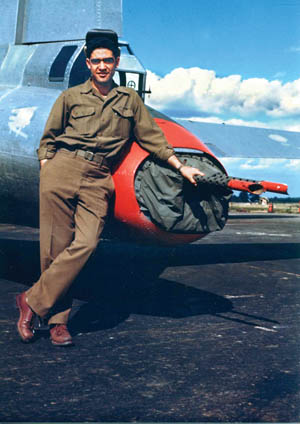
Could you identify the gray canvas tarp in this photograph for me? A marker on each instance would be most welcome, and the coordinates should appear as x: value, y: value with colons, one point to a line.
x: 174, y: 204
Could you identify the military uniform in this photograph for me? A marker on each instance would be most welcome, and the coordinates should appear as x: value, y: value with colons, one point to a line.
x: 85, y: 132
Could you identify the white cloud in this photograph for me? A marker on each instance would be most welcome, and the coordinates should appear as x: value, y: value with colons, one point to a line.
x: 295, y: 49
x: 232, y: 161
x: 202, y: 91
x: 262, y: 163
x: 293, y: 127
x: 294, y: 164
x: 256, y: 163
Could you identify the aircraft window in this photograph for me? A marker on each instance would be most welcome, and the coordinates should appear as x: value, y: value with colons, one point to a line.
x: 117, y: 78
x: 133, y: 80
x: 58, y: 68
x: 79, y: 72
x: 122, y: 78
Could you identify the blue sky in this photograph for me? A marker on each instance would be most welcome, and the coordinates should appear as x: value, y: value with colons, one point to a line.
x: 254, y: 38
x: 232, y: 61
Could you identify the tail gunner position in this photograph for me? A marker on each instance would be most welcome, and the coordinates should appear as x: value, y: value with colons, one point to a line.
x: 86, y: 131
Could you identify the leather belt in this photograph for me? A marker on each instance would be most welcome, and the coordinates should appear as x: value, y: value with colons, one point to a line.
x: 87, y: 155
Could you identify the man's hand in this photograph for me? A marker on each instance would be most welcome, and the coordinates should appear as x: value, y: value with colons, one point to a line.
x: 186, y: 171
x: 189, y: 173
x: 42, y: 163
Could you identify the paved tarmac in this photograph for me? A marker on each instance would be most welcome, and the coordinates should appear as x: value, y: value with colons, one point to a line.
x: 207, y: 332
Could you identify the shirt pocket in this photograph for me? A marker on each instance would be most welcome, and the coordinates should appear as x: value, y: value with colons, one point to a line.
x: 83, y: 120
x: 121, y: 124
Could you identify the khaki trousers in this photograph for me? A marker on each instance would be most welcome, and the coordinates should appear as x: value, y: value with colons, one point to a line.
x: 74, y: 199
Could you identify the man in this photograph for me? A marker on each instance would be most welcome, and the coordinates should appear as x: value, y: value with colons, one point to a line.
x: 86, y: 130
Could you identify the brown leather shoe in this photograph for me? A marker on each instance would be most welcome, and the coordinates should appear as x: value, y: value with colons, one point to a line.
x: 25, y: 323
x: 60, y: 335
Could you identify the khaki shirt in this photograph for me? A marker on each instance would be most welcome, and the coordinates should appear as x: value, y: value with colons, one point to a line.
x: 82, y: 119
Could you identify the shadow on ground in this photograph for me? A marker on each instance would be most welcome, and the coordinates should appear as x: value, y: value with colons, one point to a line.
x: 123, y: 279
x: 161, y: 298
x: 116, y: 263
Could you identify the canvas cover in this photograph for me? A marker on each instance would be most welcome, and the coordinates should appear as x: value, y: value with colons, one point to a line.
x: 174, y: 204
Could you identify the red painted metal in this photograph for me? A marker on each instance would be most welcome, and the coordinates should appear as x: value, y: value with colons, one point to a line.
x: 257, y: 187
x: 126, y: 209
x: 274, y: 187
x: 178, y: 136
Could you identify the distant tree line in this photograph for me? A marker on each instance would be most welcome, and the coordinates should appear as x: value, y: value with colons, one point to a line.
x: 245, y: 197
x: 284, y: 199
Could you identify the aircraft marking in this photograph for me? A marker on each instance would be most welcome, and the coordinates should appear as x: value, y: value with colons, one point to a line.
x: 20, y: 119
x: 131, y: 84
x: 242, y: 296
x: 250, y: 233
x: 277, y: 137
x: 265, y: 329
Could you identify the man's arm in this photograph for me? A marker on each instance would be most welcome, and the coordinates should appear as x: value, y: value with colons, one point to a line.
x: 186, y: 171
x: 55, y: 126
x: 152, y: 139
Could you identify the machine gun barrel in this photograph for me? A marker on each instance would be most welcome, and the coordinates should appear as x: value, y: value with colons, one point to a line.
x: 219, y: 179
x: 256, y: 187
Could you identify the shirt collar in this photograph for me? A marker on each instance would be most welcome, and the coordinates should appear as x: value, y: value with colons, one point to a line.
x: 86, y: 87
x: 121, y: 89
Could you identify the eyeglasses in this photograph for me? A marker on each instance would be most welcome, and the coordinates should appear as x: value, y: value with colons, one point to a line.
x: 106, y: 60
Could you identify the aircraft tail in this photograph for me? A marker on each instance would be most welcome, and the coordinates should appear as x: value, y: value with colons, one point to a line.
x: 44, y: 21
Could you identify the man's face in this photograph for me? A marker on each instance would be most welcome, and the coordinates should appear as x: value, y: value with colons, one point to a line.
x: 102, y: 65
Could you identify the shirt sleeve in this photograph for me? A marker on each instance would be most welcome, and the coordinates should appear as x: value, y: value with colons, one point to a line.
x: 149, y: 136
x: 55, y: 126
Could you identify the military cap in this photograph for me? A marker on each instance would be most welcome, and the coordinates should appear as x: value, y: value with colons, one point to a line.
x: 105, y: 38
